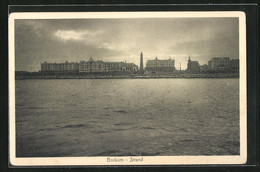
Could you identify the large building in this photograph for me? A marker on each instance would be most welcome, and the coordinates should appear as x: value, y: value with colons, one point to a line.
x: 91, y: 66
x: 160, y: 65
x: 59, y: 67
x: 193, y: 65
x: 219, y: 63
x: 100, y: 66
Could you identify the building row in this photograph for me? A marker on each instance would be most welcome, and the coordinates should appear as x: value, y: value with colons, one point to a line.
x: 167, y: 65
x: 100, y: 66
x: 216, y: 63
x: 88, y: 66
x: 223, y: 63
x: 46, y: 67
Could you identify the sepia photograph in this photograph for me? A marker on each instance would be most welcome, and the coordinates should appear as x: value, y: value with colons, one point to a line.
x: 127, y: 88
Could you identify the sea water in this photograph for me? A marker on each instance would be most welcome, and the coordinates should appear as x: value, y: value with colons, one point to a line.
x: 128, y: 117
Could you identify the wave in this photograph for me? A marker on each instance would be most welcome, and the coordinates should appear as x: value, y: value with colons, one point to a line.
x: 122, y: 129
x: 122, y: 123
x: 148, y: 128
x: 121, y: 111
x: 75, y: 126
x: 100, y: 131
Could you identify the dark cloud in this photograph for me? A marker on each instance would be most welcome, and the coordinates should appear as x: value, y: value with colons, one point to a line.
x: 58, y: 40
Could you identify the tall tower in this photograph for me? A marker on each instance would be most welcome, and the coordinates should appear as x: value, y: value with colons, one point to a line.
x: 189, y: 64
x: 141, y: 61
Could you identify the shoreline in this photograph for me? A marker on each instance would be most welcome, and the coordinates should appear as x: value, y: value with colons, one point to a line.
x: 172, y: 76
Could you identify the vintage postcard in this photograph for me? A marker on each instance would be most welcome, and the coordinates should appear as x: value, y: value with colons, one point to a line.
x: 127, y: 88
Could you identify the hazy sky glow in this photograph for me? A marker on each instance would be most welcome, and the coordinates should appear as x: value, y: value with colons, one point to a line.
x: 60, y: 40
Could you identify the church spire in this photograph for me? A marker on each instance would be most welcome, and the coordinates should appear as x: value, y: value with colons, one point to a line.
x: 189, y: 64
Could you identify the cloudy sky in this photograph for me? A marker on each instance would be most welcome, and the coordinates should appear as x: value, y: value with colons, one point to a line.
x: 73, y: 40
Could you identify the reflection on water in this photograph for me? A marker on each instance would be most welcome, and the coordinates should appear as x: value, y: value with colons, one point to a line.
x: 127, y: 117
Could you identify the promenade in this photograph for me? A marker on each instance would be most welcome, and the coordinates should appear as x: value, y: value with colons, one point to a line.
x: 37, y: 75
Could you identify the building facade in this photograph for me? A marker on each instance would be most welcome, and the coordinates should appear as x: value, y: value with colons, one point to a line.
x: 130, y: 67
x: 59, y: 67
x: 193, y: 65
x: 234, y: 64
x: 114, y: 66
x: 204, y: 67
x: 160, y: 65
x: 91, y: 66
x: 99, y: 66
x: 219, y: 63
